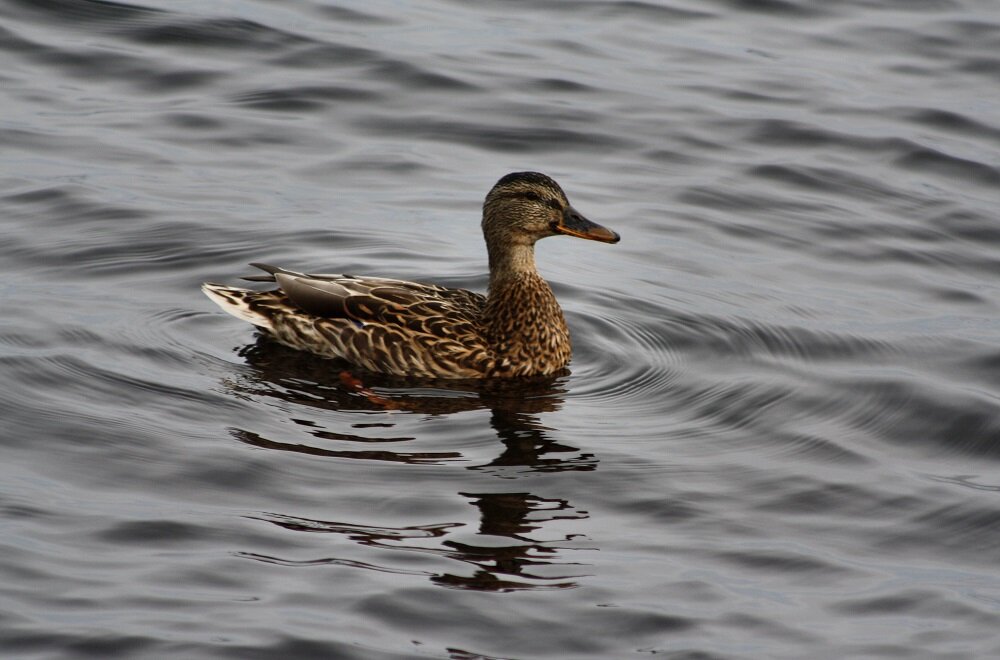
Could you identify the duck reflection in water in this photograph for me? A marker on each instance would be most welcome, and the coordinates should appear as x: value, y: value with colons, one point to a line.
x: 305, y: 383
x: 301, y: 379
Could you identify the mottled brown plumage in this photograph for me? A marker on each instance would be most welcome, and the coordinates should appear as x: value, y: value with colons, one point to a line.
x: 412, y: 329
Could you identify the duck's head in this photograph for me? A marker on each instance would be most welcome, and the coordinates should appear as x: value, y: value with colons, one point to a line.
x: 525, y: 206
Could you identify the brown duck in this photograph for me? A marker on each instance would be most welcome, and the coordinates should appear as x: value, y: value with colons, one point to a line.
x: 412, y: 329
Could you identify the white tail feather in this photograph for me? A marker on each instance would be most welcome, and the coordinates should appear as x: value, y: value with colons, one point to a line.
x: 231, y: 300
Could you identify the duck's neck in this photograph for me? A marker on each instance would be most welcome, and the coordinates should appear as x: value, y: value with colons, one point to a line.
x: 524, y: 324
x: 510, y: 262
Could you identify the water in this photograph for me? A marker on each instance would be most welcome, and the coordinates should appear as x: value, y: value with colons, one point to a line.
x: 781, y: 433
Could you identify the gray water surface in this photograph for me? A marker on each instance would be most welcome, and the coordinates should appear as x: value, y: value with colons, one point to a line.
x: 780, y: 436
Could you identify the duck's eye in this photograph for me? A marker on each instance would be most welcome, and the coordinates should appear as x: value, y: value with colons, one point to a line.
x: 533, y: 197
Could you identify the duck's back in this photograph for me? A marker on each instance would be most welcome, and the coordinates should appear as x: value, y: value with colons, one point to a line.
x: 382, y: 325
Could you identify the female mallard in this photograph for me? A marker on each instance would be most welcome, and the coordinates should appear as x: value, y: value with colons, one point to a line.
x: 411, y: 329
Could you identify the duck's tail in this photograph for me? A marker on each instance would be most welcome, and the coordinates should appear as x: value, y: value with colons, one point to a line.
x: 238, y: 302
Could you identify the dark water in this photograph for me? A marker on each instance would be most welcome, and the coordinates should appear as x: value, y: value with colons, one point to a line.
x: 781, y: 434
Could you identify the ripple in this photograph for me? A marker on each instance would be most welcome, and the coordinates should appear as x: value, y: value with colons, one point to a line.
x: 828, y: 181
x: 226, y: 33
x: 347, y: 15
x: 503, y: 139
x: 917, y: 603
x: 303, y: 98
x: 624, y: 360
x: 631, y: 9
x: 952, y: 122
x: 804, y: 135
x: 932, y: 161
x: 942, y: 420
x: 777, y: 7
x: 784, y: 562
x: 89, y: 10
x: 968, y: 225
x: 746, y: 337
x: 154, y: 532
x: 412, y: 76
x: 323, y: 55
x: 957, y: 529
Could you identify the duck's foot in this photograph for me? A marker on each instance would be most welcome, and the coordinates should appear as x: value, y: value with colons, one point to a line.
x: 348, y: 380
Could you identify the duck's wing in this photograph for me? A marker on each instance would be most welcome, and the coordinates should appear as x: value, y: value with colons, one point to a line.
x: 423, y: 308
x: 382, y: 325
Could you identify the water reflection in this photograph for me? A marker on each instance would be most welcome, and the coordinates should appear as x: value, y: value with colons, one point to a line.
x: 303, y: 380
x: 497, y: 564
x: 526, y: 444
x: 507, y: 567
x: 502, y: 552
x: 257, y: 440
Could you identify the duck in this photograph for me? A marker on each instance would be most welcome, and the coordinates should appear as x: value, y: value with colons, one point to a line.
x: 401, y: 328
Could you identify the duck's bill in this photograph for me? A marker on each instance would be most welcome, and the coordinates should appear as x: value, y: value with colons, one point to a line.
x: 574, y: 224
